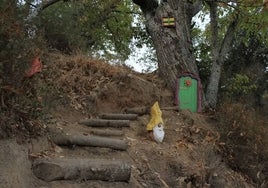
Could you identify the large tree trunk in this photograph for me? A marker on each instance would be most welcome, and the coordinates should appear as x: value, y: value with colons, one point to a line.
x: 173, y: 44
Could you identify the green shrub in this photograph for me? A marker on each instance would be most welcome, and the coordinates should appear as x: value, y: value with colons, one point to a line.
x: 240, y: 85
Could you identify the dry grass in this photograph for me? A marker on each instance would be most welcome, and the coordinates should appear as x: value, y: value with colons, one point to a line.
x: 80, y: 73
x: 244, y: 139
x: 79, y: 77
x: 89, y: 84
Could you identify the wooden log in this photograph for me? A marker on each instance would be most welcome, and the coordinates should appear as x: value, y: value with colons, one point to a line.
x: 119, y: 116
x: 137, y: 110
x: 81, y: 169
x: 107, y: 132
x: 105, y: 123
x: 89, y: 140
x: 146, y: 110
x: 175, y: 108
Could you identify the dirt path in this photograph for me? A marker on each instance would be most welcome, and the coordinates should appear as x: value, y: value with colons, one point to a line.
x: 15, y: 166
x: 186, y: 158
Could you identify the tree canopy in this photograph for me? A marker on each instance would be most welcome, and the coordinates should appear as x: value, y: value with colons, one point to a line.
x: 98, y: 26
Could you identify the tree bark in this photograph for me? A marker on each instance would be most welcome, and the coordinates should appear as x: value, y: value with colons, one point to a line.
x: 173, y: 45
x: 212, y: 92
x: 105, y: 123
x: 89, y: 140
x: 81, y: 169
x: 119, y: 116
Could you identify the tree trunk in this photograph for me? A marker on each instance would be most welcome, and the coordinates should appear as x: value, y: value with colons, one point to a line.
x: 95, y: 141
x: 213, y: 85
x: 172, y: 44
x: 81, y: 169
x: 219, y: 53
x: 214, y: 79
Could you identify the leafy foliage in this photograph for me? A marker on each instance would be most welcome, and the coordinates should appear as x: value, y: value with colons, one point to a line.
x: 247, y: 51
x: 240, y: 85
x: 16, y: 47
x: 246, y: 63
x: 99, y: 26
x: 202, y: 53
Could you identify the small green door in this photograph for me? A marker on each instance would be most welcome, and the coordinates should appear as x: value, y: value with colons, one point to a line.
x: 187, y: 94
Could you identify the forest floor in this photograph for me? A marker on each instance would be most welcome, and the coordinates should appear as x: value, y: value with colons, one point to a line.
x: 190, y: 155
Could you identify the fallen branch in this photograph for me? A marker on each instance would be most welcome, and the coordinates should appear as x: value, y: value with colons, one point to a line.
x: 119, y: 116
x: 89, y: 140
x: 165, y: 185
x: 105, y: 123
x: 82, y: 169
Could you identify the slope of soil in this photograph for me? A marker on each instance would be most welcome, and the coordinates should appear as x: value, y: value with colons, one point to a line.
x: 188, y: 157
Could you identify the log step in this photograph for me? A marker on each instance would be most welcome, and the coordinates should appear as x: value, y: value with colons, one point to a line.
x: 113, y: 116
x: 146, y: 110
x: 89, y: 140
x: 81, y: 169
x: 137, y: 110
x: 105, y: 123
x: 107, y: 132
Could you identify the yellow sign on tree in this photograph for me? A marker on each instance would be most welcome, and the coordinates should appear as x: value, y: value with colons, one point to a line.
x: 168, y: 22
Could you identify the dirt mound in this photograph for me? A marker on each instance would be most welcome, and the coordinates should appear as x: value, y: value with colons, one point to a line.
x: 89, y: 85
x: 81, y: 89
